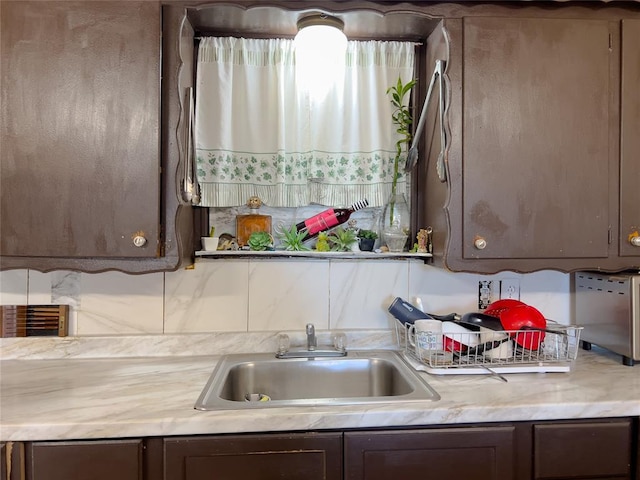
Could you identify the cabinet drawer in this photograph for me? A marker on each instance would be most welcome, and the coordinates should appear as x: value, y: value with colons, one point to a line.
x: 589, y: 449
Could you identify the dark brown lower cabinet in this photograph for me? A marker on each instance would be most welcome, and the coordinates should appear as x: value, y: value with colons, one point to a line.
x: 480, y: 453
x: 638, y: 447
x: 84, y: 460
x: 583, y: 450
x: 296, y: 456
x: 595, y: 449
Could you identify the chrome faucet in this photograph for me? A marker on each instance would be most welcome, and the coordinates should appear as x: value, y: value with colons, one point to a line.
x: 312, y: 341
x: 311, y: 351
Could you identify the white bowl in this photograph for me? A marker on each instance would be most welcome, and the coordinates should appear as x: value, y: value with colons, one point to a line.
x: 502, y: 351
x: 458, y: 333
x: 488, y: 335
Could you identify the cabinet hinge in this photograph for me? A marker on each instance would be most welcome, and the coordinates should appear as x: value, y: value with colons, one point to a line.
x: 610, y: 42
x: 609, y: 239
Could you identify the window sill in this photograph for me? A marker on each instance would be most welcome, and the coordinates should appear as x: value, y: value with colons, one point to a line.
x: 311, y: 254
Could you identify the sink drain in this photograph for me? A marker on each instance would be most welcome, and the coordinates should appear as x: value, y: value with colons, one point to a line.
x: 256, y: 397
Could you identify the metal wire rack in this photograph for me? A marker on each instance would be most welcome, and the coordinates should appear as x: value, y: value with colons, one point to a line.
x: 489, y: 351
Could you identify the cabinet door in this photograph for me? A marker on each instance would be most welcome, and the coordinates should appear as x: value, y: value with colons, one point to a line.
x: 481, y: 453
x: 597, y: 449
x: 95, y: 460
x: 11, y: 461
x: 303, y: 456
x: 539, y: 110
x: 630, y: 141
x: 80, y: 153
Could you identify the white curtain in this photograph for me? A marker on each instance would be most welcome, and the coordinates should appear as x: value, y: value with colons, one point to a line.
x: 260, y: 132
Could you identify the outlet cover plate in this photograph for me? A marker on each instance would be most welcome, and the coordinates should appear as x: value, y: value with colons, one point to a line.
x: 510, y: 288
x: 485, y: 294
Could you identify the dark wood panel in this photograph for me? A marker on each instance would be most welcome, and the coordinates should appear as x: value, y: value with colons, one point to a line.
x: 589, y: 450
x: 536, y: 137
x: 630, y: 140
x: 3, y: 461
x: 95, y: 460
x: 637, y: 422
x: 297, y: 456
x: 11, y: 461
x: 80, y: 132
x: 480, y: 453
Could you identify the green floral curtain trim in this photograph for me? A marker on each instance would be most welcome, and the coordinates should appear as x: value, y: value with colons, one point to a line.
x: 331, y: 178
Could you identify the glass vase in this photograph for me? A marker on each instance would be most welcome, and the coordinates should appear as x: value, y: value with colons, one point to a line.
x: 395, y: 223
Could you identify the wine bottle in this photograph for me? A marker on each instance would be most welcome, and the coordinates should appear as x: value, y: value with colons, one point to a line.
x: 332, y: 217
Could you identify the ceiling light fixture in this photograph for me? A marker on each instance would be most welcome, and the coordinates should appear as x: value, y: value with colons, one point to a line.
x: 320, y: 49
x: 321, y: 31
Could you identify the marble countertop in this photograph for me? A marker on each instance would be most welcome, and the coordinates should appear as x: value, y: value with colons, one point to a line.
x: 71, y: 396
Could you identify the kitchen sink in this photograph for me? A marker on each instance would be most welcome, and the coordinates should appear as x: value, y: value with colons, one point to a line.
x: 242, y: 381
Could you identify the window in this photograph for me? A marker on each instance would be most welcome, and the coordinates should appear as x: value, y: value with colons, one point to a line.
x: 262, y: 129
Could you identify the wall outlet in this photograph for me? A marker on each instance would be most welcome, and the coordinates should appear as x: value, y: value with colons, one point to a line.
x: 510, y: 288
x: 485, y: 294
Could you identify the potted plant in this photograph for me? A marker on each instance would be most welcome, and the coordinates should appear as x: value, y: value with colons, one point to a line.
x: 342, y: 240
x: 260, y: 241
x: 322, y: 245
x: 395, y: 220
x: 367, y: 239
x: 292, y: 239
x: 210, y: 243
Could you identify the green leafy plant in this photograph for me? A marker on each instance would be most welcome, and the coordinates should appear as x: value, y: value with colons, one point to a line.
x: 342, y: 240
x: 367, y: 234
x: 292, y: 239
x: 212, y: 232
x: 260, y: 241
x: 402, y: 119
x: 322, y: 244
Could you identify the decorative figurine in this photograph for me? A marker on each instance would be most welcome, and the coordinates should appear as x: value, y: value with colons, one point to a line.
x: 422, y: 241
x: 254, y: 203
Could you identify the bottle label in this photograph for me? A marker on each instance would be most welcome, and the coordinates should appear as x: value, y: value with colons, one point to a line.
x: 320, y: 222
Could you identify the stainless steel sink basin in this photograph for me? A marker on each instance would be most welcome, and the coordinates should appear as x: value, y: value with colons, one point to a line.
x: 263, y: 381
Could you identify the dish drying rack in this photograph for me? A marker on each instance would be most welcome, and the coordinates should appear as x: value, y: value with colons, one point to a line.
x: 551, y: 350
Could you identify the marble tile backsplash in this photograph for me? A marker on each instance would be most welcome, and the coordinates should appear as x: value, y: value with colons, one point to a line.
x: 248, y: 295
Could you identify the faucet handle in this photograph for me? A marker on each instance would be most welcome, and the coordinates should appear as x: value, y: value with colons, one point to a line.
x: 340, y: 342
x: 283, y: 343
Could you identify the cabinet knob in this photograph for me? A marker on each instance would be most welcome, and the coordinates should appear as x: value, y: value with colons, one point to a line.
x: 139, y: 240
x: 635, y: 240
x: 480, y: 243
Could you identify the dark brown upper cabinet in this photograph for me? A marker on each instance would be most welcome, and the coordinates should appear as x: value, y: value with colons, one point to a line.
x: 542, y: 114
x: 629, y: 236
x: 536, y: 178
x: 88, y: 180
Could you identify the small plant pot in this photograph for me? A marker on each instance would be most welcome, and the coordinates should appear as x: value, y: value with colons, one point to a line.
x: 366, y: 244
x: 210, y: 244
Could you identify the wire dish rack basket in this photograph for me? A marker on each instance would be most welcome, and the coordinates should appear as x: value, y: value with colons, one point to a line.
x: 490, y: 351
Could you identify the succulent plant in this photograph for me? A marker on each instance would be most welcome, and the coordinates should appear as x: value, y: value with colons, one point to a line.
x: 260, y: 241
x: 292, y: 239
x: 342, y: 240
x: 322, y: 245
x: 367, y: 234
